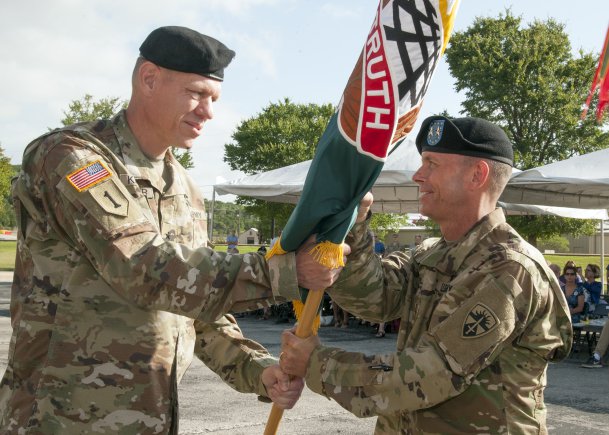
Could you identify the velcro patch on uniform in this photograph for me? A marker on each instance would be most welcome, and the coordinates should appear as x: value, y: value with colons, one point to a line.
x: 471, y: 332
x: 479, y: 321
x: 89, y: 175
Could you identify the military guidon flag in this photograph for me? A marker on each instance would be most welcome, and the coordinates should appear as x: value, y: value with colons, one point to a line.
x: 600, y: 82
x: 378, y: 108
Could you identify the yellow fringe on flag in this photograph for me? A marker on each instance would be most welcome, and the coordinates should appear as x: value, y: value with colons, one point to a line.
x: 276, y: 249
x: 327, y: 253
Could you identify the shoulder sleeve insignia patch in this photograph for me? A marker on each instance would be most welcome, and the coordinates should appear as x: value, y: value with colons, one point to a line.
x: 479, y: 321
x: 89, y: 175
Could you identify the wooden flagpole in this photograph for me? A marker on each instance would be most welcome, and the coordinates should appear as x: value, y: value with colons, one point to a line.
x: 304, y: 329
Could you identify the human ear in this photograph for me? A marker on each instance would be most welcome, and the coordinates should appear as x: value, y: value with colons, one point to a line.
x: 148, y: 75
x: 481, y: 173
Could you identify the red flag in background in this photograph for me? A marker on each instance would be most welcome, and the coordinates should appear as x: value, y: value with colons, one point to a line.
x: 601, y: 82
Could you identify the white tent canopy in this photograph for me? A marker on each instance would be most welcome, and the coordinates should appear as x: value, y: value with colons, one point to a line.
x: 581, y: 182
x: 394, y: 190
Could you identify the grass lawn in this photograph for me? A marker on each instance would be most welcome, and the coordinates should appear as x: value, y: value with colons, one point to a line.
x: 7, y: 255
x: 580, y: 260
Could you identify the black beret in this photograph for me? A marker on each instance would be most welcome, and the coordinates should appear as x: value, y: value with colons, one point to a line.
x: 473, y: 137
x: 186, y: 50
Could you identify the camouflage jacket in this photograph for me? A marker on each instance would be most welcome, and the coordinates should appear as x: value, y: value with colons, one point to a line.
x: 114, y: 289
x: 480, y: 319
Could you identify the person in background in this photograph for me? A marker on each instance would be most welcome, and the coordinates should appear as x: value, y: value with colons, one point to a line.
x: 231, y: 243
x: 481, y: 313
x: 594, y: 287
x: 379, y: 247
x: 556, y: 269
x: 341, y: 317
x: 417, y: 241
x: 576, y: 295
x: 595, y: 361
x: 114, y: 288
x: 570, y: 263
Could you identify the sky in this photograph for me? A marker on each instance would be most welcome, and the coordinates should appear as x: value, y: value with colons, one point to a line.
x: 55, y: 51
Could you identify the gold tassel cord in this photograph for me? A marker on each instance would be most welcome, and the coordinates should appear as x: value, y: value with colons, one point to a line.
x: 276, y: 249
x: 327, y: 253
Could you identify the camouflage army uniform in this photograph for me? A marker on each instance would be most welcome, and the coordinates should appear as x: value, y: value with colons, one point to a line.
x: 114, y: 290
x: 481, y: 318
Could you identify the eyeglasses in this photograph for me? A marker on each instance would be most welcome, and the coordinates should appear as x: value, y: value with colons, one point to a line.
x: 569, y: 273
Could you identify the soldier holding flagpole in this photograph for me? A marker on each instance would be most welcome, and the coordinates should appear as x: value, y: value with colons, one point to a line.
x: 481, y: 313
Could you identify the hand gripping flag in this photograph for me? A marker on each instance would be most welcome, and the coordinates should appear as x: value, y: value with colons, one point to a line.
x: 378, y: 109
x: 600, y: 82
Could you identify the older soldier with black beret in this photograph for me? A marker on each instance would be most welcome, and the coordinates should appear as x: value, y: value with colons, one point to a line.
x: 114, y: 288
x: 481, y: 313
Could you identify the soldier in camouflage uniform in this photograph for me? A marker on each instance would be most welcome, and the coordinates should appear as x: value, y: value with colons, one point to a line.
x: 482, y: 315
x: 114, y: 288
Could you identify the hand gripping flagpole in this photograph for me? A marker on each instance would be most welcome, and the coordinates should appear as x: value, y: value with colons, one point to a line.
x: 378, y: 109
x: 304, y: 329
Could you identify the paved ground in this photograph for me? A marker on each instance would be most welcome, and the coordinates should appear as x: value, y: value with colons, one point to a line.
x: 577, y: 398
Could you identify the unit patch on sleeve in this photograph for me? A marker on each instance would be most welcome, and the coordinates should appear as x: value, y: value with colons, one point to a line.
x: 479, y: 321
x: 89, y: 175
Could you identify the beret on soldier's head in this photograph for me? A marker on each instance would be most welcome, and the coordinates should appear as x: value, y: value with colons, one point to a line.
x: 472, y: 137
x: 186, y: 50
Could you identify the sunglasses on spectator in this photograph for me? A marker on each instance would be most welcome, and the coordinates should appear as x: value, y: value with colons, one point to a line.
x: 570, y: 273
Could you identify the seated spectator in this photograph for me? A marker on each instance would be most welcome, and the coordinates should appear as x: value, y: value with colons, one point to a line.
x: 601, y: 349
x: 594, y: 287
x: 556, y: 269
x: 570, y: 263
x: 576, y: 295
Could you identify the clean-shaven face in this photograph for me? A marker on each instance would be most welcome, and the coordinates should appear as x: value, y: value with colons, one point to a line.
x: 441, y: 179
x: 183, y: 103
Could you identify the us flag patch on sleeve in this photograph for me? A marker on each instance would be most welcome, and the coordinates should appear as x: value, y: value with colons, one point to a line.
x: 89, y: 175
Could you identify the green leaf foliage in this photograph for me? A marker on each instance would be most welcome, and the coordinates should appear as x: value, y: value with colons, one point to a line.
x: 87, y: 109
x: 526, y: 79
x: 382, y: 223
x: 7, y: 171
x: 534, y: 228
x: 229, y: 218
x: 184, y: 157
x: 282, y: 134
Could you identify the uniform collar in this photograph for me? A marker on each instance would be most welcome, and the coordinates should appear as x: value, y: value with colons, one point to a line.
x: 447, y: 257
x: 138, y: 163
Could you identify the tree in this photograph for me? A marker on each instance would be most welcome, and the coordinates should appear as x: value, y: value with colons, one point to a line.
x: 382, y: 223
x: 87, y: 110
x: 229, y: 217
x: 7, y: 171
x: 282, y: 134
x: 526, y: 80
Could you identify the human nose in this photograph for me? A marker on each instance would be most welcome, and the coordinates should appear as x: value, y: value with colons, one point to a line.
x: 205, y: 109
x: 418, y: 176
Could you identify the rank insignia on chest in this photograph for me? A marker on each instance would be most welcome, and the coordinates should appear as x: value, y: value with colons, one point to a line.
x: 89, y: 175
x: 479, y: 321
